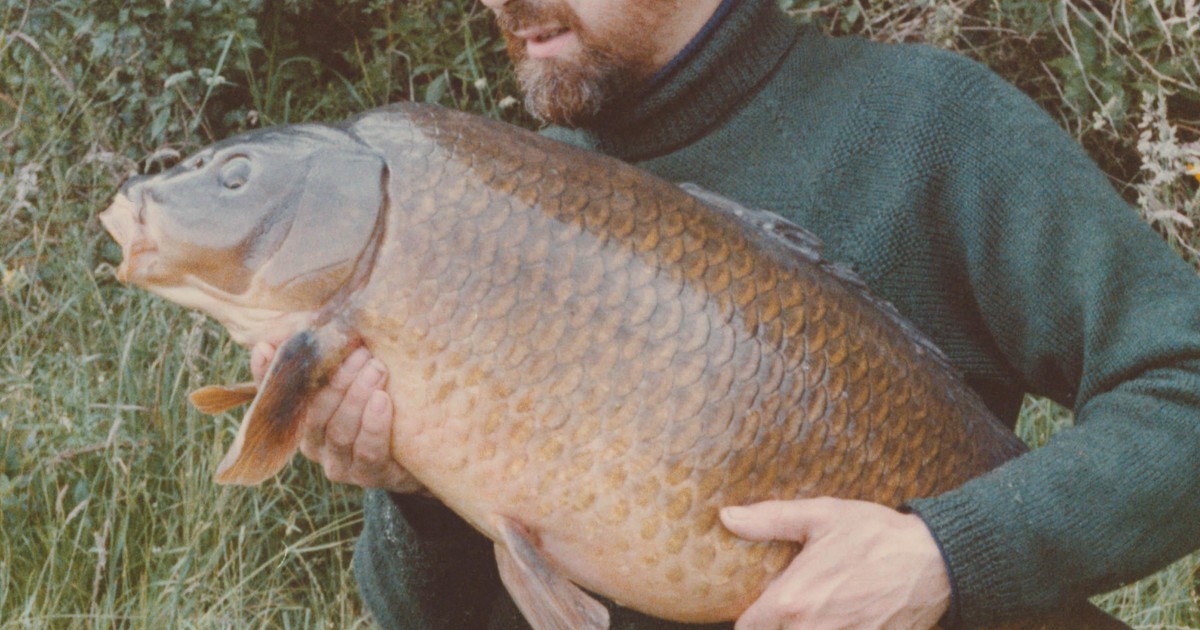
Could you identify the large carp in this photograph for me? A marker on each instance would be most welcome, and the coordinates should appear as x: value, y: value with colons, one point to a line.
x: 586, y: 362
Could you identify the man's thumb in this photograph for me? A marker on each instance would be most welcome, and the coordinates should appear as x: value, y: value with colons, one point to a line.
x: 773, y: 520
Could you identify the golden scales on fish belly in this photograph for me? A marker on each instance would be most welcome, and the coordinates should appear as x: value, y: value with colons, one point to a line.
x: 586, y: 361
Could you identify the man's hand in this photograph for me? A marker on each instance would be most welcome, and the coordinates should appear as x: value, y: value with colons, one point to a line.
x: 863, y: 566
x: 347, y: 427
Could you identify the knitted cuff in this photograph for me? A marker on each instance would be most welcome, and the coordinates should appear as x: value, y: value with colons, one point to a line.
x: 978, y: 563
x: 950, y: 620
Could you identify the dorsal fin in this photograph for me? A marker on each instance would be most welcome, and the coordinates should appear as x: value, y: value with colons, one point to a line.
x: 806, y: 246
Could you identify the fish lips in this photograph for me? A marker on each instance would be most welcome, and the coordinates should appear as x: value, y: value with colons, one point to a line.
x: 150, y: 257
x: 123, y: 221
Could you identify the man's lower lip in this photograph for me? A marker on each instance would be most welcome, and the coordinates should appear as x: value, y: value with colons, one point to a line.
x: 549, y: 47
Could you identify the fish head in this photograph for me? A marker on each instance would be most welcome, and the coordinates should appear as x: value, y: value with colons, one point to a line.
x: 261, y: 231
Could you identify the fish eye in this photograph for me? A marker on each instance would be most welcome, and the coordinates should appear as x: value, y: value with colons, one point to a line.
x: 235, y: 173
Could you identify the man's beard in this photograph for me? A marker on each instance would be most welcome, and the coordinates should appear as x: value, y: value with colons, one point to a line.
x: 574, y: 91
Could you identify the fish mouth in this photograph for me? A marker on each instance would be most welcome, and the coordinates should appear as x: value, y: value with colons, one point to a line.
x: 122, y: 220
x: 143, y: 264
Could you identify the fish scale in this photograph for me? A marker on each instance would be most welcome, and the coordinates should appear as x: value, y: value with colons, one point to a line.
x: 586, y: 362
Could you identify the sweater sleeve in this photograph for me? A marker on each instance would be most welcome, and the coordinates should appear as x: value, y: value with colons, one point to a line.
x: 1094, y: 310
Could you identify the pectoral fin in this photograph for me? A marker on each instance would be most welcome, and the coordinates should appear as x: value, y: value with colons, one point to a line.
x: 270, y: 431
x: 214, y: 399
x: 545, y: 596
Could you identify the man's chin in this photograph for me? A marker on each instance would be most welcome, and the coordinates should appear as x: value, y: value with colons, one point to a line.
x: 563, y: 92
x: 554, y: 113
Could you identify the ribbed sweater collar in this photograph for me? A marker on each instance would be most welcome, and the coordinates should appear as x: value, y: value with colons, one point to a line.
x: 729, y: 58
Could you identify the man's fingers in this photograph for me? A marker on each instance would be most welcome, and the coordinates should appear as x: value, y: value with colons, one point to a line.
x: 373, y: 446
x: 863, y: 565
x: 322, y: 407
x: 260, y: 360
x: 777, y: 520
x: 343, y: 427
x: 761, y: 615
x: 786, y: 601
x: 347, y: 425
x: 373, y: 465
x: 337, y: 469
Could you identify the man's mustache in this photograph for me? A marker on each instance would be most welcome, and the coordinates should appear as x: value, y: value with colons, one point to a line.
x: 522, y: 14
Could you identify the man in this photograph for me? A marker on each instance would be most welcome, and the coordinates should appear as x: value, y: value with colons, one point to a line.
x: 959, y: 201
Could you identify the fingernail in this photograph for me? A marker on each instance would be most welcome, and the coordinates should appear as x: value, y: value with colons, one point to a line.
x: 734, y: 513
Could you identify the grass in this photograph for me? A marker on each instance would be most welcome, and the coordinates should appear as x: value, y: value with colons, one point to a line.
x: 108, y: 515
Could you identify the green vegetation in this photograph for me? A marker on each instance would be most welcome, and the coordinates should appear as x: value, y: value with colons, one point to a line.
x: 108, y: 516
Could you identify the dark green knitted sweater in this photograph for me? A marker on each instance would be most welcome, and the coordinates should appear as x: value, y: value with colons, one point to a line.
x: 965, y: 205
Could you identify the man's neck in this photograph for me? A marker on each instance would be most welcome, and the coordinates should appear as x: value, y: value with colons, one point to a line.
x: 695, y: 41
x: 684, y: 30
x: 727, y: 60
